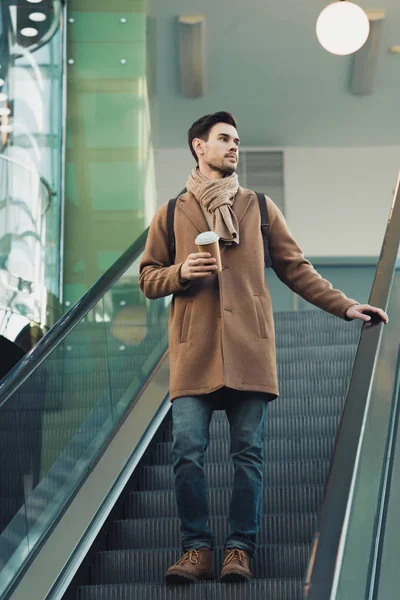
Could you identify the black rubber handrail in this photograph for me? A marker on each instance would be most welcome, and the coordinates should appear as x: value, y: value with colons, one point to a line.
x: 325, y: 554
x: 24, y: 369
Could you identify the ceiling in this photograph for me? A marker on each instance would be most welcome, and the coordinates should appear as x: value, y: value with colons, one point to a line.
x: 265, y: 65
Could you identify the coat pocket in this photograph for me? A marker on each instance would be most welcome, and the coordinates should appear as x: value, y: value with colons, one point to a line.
x: 186, y: 322
x: 260, y: 317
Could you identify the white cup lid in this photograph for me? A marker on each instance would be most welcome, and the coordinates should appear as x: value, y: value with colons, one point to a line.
x: 208, y: 237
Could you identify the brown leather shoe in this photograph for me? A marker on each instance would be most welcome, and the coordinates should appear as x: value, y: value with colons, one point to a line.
x: 236, y: 566
x: 194, y: 565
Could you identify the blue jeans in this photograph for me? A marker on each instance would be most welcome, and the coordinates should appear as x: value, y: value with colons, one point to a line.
x: 191, y: 416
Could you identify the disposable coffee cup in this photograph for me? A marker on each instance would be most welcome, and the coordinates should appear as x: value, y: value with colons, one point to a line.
x: 209, y: 242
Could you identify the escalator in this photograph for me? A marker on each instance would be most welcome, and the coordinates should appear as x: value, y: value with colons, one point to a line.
x: 315, y: 356
x: 104, y: 523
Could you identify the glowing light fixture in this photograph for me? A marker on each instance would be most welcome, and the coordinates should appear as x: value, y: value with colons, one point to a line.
x: 38, y: 17
x: 3, y: 97
x: 29, y: 31
x: 34, y: 1
x: 5, y: 111
x: 1, y: 81
x: 343, y: 28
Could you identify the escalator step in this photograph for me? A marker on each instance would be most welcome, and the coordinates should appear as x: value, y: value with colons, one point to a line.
x: 274, y: 449
x: 296, y: 499
x: 306, y: 472
x: 304, y: 405
x: 300, y: 339
x: 276, y: 427
x: 145, y: 566
x: 255, y: 590
x: 163, y: 533
x: 324, y: 353
x: 314, y: 387
x: 314, y: 369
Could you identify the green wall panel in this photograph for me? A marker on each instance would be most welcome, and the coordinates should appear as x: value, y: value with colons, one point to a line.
x: 106, y: 143
x: 119, y: 116
x: 98, y: 60
x: 103, y: 27
x: 125, y: 194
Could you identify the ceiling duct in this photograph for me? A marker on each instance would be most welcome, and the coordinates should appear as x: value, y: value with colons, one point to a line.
x: 366, y: 59
x: 192, y: 56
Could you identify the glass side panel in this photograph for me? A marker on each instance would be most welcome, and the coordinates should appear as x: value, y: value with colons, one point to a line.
x: 53, y: 427
x: 364, y: 504
x: 31, y: 71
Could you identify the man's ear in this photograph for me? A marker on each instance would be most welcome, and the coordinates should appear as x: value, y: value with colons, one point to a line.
x: 198, y: 146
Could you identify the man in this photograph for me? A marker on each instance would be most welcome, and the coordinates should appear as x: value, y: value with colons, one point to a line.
x: 221, y: 338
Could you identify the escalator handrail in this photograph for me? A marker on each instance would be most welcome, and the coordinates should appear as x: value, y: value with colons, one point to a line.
x: 327, y: 546
x: 24, y: 369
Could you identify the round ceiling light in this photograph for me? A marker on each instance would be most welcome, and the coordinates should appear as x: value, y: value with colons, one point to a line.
x: 3, y: 97
x: 29, y: 31
x: 342, y: 28
x: 4, y: 110
x: 34, y: 1
x: 38, y: 17
x: 1, y: 81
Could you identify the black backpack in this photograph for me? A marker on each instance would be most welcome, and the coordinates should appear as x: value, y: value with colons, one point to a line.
x: 264, y: 227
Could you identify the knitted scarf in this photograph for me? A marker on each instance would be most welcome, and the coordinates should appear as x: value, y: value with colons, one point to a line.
x: 217, y: 198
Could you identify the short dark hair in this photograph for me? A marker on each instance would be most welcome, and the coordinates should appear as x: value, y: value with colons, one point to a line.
x: 202, y: 127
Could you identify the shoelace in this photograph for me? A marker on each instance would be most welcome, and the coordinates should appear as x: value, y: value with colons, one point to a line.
x: 235, y: 554
x: 190, y: 556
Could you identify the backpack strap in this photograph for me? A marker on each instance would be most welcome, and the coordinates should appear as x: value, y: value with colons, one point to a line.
x: 170, y: 226
x: 264, y: 228
x: 170, y: 229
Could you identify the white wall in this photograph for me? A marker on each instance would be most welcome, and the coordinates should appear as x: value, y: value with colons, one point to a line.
x: 172, y: 169
x: 337, y: 200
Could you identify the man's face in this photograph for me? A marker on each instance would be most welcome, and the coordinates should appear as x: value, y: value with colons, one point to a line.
x: 221, y: 151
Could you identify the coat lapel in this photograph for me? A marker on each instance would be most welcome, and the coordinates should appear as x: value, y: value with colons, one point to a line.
x: 191, y: 208
x: 188, y: 203
x: 241, y: 203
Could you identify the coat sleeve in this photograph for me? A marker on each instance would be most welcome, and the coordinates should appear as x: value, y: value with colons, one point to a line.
x: 158, y: 277
x: 297, y: 272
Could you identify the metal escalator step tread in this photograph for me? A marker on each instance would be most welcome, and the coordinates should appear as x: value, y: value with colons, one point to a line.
x: 324, y: 353
x: 276, y: 427
x: 271, y: 589
x: 145, y: 566
x: 157, y: 533
x: 307, y: 472
x: 295, y: 499
x: 315, y: 368
x: 218, y: 451
x: 300, y: 339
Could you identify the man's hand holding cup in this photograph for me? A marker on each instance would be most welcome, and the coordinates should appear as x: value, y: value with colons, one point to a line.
x: 197, y: 265
x: 205, y: 262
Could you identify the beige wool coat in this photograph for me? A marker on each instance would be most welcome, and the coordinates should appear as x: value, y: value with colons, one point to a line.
x: 221, y: 327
